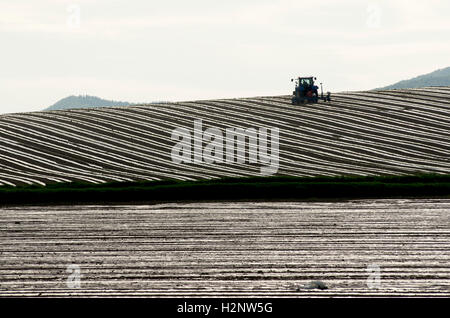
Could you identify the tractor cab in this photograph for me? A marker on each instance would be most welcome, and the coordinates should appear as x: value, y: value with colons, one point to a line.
x: 306, y: 81
x: 307, y: 92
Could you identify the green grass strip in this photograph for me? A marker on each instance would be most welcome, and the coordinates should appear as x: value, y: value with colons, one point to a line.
x: 253, y: 188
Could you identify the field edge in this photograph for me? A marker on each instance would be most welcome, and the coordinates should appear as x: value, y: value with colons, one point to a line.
x: 227, y: 189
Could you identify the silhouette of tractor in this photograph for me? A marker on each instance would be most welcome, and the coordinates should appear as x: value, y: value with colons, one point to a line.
x: 307, y: 92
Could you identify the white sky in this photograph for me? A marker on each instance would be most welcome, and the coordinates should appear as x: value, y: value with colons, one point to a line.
x: 148, y: 50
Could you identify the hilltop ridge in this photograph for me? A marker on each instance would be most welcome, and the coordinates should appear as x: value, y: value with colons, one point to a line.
x: 84, y: 101
x: 439, y: 77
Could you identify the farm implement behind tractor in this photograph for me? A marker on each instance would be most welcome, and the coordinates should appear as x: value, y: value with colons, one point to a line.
x: 307, y: 92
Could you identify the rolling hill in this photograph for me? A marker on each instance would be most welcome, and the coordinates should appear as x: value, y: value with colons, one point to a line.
x: 437, y: 78
x: 359, y: 133
x: 84, y: 101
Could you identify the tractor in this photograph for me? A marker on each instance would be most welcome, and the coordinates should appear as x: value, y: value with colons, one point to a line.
x: 307, y: 92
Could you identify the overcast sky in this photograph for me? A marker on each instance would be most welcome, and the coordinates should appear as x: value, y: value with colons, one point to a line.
x: 148, y: 50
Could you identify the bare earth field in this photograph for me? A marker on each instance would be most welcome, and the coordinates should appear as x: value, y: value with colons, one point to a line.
x: 228, y: 249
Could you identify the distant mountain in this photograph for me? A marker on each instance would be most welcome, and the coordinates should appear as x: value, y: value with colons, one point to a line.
x: 84, y: 101
x: 437, y: 78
